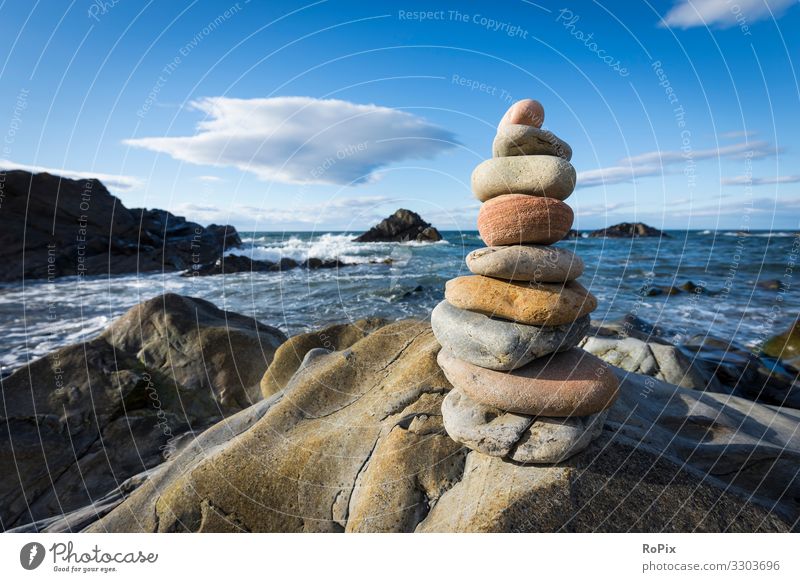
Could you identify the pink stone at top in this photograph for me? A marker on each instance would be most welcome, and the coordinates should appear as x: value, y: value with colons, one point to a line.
x: 525, y: 112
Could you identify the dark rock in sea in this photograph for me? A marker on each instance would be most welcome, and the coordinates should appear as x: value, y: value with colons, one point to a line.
x: 771, y: 284
x: 227, y: 265
x: 742, y: 373
x: 691, y: 287
x: 628, y: 230
x: 230, y: 264
x: 630, y: 326
x: 571, y: 234
x: 53, y: 227
x: 655, y: 291
x: 80, y: 421
x: 785, y: 347
x: 313, y: 263
x: 402, y: 226
x: 285, y: 264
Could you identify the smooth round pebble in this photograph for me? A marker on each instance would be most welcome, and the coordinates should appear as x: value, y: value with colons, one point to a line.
x: 514, y: 219
x: 524, y: 140
x: 553, y: 440
x: 524, y: 112
x: 498, y: 344
x: 570, y: 383
x: 542, y: 264
x: 546, y: 176
x: 523, y: 302
x: 519, y: 437
x: 482, y: 428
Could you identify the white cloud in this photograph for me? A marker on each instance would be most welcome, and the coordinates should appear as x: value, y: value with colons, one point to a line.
x: 302, y: 140
x: 657, y: 163
x: 116, y: 182
x: 209, y: 178
x: 357, y: 210
x: 737, y: 134
x: 753, y: 149
x: 598, y: 209
x: 750, y: 181
x: 722, y: 13
x: 766, y: 207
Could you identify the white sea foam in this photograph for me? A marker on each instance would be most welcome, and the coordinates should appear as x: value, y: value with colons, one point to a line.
x: 771, y: 234
x: 326, y: 247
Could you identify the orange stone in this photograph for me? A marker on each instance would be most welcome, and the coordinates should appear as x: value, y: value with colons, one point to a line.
x: 513, y: 219
x: 525, y: 112
x: 570, y: 383
x: 521, y: 301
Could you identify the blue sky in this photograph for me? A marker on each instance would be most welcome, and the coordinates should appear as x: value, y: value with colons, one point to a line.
x: 332, y: 114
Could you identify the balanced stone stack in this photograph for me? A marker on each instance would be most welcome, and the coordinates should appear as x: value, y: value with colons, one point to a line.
x: 522, y: 389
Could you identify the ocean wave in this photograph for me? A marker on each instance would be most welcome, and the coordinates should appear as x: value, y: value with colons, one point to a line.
x: 771, y: 234
x: 329, y: 247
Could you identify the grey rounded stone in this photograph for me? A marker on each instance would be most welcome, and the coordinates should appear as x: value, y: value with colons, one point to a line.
x: 482, y: 428
x: 519, y: 437
x: 498, y: 344
x: 546, y: 176
x: 552, y: 440
x: 539, y: 263
x: 525, y: 140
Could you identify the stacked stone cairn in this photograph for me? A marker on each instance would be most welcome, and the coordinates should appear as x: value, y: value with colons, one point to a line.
x: 522, y: 389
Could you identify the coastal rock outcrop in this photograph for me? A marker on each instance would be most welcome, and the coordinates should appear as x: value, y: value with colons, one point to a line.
x: 402, y: 226
x: 356, y: 441
x: 230, y: 264
x: 628, y: 230
x: 88, y: 416
x: 52, y: 227
x: 785, y: 346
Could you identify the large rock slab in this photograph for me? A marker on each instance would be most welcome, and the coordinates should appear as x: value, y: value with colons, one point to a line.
x: 87, y: 417
x: 537, y: 263
x: 524, y: 140
x: 291, y: 353
x: 570, y: 383
x: 498, y: 344
x: 201, y: 348
x: 548, y: 176
x: 668, y: 459
x: 663, y: 361
x: 785, y: 346
x: 515, y: 219
x: 528, y: 303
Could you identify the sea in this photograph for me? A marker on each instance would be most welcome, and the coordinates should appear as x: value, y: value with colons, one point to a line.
x: 748, y: 290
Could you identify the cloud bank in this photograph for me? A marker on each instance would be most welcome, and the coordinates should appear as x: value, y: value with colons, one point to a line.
x: 661, y: 162
x: 301, y: 140
x: 750, y: 181
x: 363, y: 210
x: 722, y: 13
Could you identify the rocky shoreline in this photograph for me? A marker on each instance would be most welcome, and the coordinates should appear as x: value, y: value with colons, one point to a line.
x: 55, y: 227
x: 204, y: 392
